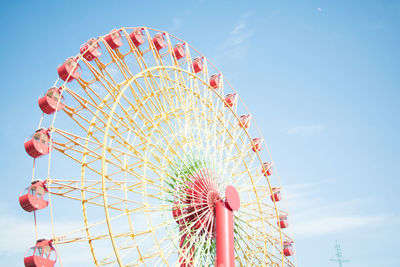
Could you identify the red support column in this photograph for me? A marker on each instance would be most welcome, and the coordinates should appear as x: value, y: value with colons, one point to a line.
x: 224, y: 235
x: 224, y: 227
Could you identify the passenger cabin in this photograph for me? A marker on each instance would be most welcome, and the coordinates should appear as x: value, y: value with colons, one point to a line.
x: 244, y: 121
x: 287, y: 248
x: 34, y: 198
x: 267, y: 169
x: 198, y: 64
x: 159, y: 41
x: 276, y: 194
x: 52, y: 101
x: 283, y: 221
x: 215, y: 81
x: 114, y: 39
x: 230, y: 100
x: 91, y: 49
x: 42, y: 254
x: 69, y: 70
x: 38, y: 145
x: 179, y: 51
x: 137, y: 37
x: 257, y: 144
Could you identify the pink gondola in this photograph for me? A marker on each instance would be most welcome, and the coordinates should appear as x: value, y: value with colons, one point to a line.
x: 287, y: 248
x: 34, y: 198
x: 38, y: 145
x: 276, y: 194
x: 267, y: 169
x: 230, y: 100
x: 257, y: 144
x: 198, y: 64
x: 179, y: 51
x: 51, y: 102
x: 42, y: 254
x: 283, y: 221
x: 244, y: 121
x: 114, y: 39
x: 91, y: 49
x: 69, y: 70
x: 215, y: 81
x: 158, y: 41
x: 137, y: 37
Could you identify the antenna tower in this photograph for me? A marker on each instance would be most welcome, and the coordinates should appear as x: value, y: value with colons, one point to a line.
x: 339, y: 257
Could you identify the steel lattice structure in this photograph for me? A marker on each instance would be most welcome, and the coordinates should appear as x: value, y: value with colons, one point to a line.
x: 137, y: 123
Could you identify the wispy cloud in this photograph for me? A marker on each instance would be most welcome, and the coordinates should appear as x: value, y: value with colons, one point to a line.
x: 308, y: 130
x: 302, y: 192
x: 18, y: 235
x: 235, y: 46
x: 310, y: 219
x: 19, y: 232
x: 317, y: 225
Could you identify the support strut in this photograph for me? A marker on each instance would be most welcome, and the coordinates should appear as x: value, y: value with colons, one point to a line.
x: 224, y: 228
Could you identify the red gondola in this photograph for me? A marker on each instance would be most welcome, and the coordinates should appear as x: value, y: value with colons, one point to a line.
x: 42, y: 254
x: 283, y: 222
x: 34, y: 199
x: 230, y: 100
x: 276, y: 194
x: 215, y: 81
x: 69, y: 70
x: 287, y: 248
x: 257, y: 142
x: 198, y: 64
x: 267, y: 169
x: 114, y: 39
x: 137, y: 37
x: 158, y: 41
x: 91, y: 49
x: 244, y: 121
x: 38, y: 145
x: 49, y: 102
x: 179, y: 51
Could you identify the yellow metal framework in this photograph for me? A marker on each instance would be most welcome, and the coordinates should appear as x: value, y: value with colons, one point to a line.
x: 130, y: 115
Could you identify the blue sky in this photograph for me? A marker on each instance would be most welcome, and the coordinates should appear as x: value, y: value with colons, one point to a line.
x: 322, y: 79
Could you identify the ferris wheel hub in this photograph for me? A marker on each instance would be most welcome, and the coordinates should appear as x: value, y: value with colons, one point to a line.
x: 212, y: 198
x: 232, y: 197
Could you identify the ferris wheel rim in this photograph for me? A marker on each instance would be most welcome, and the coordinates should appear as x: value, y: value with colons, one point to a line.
x: 140, y: 74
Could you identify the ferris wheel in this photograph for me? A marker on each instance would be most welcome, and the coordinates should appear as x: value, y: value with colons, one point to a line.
x: 146, y: 140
